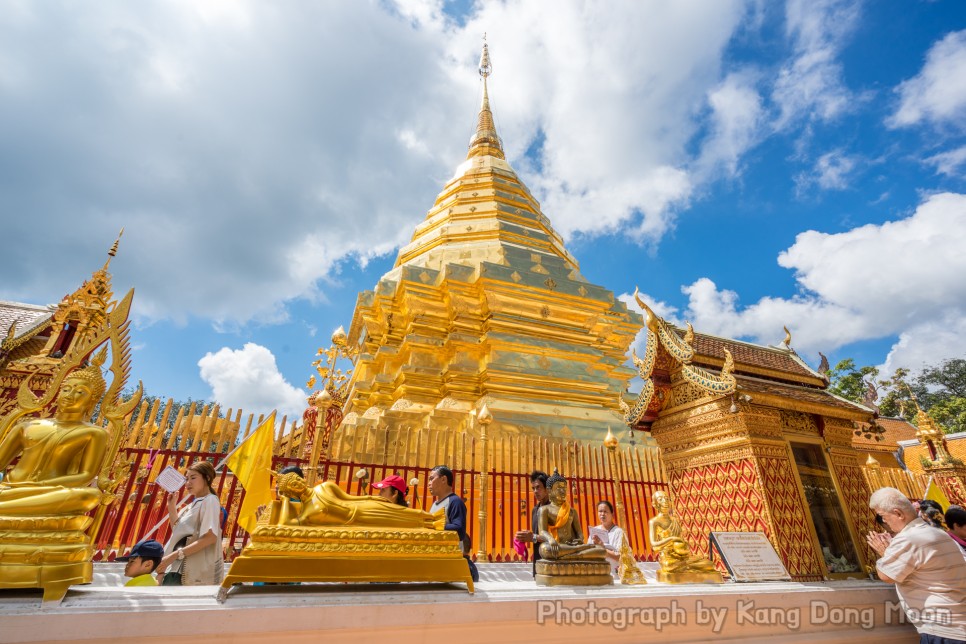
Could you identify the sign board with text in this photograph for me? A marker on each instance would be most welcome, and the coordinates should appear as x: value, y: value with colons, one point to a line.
x: 749, y: 556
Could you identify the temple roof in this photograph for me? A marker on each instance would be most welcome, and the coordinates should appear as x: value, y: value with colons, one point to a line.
x: 755, y: 360
x: 29, y: 319
x: 895, y: 430
x: 808, y: 396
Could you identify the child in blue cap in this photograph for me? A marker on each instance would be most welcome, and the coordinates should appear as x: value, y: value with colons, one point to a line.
x: 141, y: 562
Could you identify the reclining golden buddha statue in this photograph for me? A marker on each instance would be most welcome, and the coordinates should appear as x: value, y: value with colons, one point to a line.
x: 323, y: 533
x: 49, y: 509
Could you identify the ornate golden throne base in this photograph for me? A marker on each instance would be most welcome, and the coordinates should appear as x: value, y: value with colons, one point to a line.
x: 689, y: 577
x: 52, y: 553
x: 573, y: 573
x: 285, y: 554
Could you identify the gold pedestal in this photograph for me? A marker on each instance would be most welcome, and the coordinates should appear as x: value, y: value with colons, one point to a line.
x: 52, y: 553
x: 573, y: 573
x: 280, y: 554
x: 689, y: 577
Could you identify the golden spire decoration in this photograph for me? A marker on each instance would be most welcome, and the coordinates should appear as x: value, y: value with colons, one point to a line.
x: 113, y: 252
x: 485, y: 141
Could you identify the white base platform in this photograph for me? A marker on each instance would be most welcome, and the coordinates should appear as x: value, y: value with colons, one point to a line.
x: 507, y: 607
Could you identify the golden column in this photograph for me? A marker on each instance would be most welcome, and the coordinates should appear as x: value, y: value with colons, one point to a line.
x: 630, y: 574
x: 484, y: 417
x: 610, y: 442
x: 322, y: 402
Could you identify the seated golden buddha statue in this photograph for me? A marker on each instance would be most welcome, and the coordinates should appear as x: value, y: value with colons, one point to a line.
x: 566, y: 559
x: 678, y: 565
x: 328, y: 504
x: 59, y: 457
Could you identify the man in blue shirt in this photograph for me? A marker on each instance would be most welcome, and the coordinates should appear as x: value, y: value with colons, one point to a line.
x: 441, y: 487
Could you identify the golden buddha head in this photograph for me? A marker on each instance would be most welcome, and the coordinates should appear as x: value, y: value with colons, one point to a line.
x: 557, y: 488
x: 81, y: 390
x: 661, y: 501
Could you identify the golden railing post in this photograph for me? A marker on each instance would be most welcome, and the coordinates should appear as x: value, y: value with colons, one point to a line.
x: 321, y: 402
x: 484, y: 417
x: 629, y: 573
x: 610, y: 442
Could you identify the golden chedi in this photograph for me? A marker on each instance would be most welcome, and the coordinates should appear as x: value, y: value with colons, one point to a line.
x: 486, y: 303
x: 49, y: 507
x: 678, y: 565
x: 566, y: 559
x: 330, y: 535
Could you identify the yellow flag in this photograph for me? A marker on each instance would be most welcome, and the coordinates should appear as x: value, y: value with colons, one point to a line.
x: 252, y: 465
x: 935, y: 493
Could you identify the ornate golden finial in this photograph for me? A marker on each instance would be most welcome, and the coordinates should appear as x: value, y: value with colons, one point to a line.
x: 113, y: 252
x: 485, y: 141
x: 787, y: 342
x: 610, y: 441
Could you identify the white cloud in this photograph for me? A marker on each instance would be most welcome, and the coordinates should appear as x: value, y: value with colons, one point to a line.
x: 832, y: 171
x: 949, y: 163
x: 249, y: 379
x: 248, y: 147
x: 937, y: 94
x: 736, y: 121
x: 899, y: 278
x: 810, y: 86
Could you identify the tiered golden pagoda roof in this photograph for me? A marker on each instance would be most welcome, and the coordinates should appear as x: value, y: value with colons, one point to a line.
x: 486, y: 301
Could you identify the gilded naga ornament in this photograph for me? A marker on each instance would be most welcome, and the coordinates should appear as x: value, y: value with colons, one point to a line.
x: 53, y: 500
x: 661, y: 333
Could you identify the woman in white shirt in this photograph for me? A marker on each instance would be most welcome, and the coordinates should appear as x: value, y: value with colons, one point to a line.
x: 194, y: 548
x: 607, y: 534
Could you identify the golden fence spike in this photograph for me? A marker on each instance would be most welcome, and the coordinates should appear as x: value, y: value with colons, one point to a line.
x: 162, y: 425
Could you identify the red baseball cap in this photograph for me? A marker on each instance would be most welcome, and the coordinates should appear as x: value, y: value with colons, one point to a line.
x: 392, y: 481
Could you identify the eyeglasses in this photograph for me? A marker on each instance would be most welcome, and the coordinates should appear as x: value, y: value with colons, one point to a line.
x: 879, y: 520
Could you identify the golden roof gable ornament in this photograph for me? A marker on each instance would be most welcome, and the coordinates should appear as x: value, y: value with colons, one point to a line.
x: 660, y: 332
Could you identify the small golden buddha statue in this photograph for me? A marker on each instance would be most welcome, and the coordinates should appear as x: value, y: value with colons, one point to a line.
x: 566, y: 559
x: 329, y: 505
x: 59, y: 456
x: 678, y: 565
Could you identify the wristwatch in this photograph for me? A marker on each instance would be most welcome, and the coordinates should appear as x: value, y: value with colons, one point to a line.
x: 180, y: 554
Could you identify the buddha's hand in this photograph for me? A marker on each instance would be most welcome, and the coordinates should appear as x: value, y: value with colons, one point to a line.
x: 553, y: 548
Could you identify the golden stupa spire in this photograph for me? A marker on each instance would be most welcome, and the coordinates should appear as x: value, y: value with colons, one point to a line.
x: 113, y: 252
x: 485, y: 141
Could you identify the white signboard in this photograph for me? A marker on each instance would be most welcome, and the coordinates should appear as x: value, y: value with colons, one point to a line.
x: 170, y: 479
x: 749, y: 556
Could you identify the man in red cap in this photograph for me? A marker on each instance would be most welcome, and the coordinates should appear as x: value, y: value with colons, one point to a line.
x: 393, y: 488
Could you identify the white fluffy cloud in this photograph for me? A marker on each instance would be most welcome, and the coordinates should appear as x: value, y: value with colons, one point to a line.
x: 832, y: 171
x: 899, y: 278
x: 811, y: 86
x: 249, y: 379
x: 937, y: 95
x: 949, y: 163
x: 248, y: 147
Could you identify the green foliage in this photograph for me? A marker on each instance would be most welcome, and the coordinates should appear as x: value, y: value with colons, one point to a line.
x: 851, y: 382
x: 940, y: 390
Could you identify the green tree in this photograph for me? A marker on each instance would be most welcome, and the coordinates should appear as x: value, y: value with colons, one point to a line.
x: 851, y: 382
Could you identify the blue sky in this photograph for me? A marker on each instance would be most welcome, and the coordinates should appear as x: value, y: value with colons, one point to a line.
x: 748, y: 165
